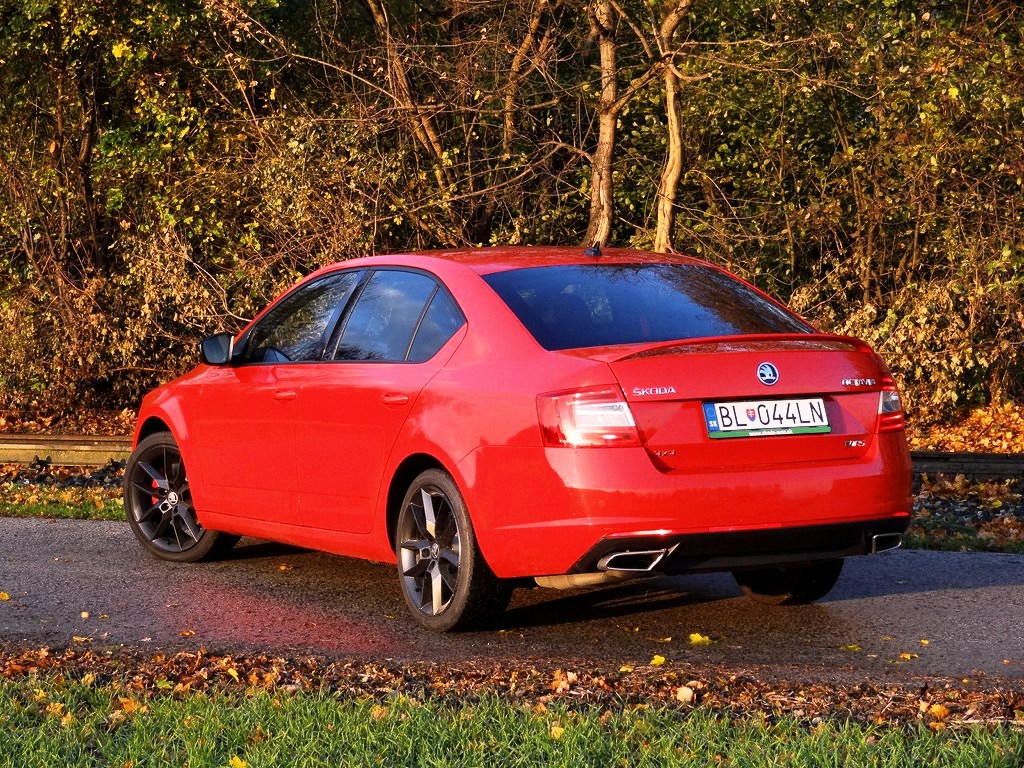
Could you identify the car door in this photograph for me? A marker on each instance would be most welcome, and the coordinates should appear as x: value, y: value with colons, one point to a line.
x: 245, y: 434
x: 355, y: 404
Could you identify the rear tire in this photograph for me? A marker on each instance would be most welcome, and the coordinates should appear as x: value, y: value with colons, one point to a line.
x: 796, y: 585
x: 158, y: 504
x: 445, y: 581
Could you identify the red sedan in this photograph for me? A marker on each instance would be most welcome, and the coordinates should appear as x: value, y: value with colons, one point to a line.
x: 568, y: 415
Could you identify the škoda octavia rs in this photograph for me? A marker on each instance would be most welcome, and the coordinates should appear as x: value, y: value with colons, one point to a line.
x: 571, y: 416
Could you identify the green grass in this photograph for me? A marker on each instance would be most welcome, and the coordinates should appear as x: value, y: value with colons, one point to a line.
x: 20, y: 500
x: 51, y: 723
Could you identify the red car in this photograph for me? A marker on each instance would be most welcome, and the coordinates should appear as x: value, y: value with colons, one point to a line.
x: 568, y: 415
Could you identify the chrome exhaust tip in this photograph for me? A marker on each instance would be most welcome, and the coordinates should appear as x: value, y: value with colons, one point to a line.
x: 633, y: 561
x: 883, y: 542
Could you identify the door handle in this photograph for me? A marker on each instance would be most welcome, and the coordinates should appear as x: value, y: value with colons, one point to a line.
x: 395, y: 399
x: 285, y: 394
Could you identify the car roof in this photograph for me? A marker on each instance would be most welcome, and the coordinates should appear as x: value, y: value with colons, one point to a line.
x: 500, y: 259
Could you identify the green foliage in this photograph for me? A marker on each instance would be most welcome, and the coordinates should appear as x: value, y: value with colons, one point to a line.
x: 171, y: 166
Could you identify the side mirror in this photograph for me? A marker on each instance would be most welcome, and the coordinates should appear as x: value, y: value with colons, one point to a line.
x: 217, y: 350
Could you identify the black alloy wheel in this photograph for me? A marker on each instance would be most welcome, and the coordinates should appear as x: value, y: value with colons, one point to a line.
x: 158, y: 504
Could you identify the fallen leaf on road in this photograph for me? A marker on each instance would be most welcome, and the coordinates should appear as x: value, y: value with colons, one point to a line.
x: 696, y: 638
x: 657, y: 661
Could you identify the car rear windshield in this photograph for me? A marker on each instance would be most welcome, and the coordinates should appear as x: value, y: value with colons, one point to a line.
x: 594, y: 305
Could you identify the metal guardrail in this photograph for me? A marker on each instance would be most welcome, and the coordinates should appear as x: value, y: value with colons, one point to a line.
x: 78, y: 450
x: 70, y: 450
x: 978, y: 466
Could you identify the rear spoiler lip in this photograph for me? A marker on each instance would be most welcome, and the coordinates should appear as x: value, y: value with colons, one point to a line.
x: 746, y: 343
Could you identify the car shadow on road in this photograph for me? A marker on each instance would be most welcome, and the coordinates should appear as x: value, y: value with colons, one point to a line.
x: 907, y: 572
x: 546, y: 607
x: 254, y: 549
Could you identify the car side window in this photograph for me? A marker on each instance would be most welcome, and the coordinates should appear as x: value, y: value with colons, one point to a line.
x: 441, y: 321
x: 386, y: 316
x: 297, y: 327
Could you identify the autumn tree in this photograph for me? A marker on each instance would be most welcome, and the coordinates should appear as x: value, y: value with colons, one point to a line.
x: 170, y: 167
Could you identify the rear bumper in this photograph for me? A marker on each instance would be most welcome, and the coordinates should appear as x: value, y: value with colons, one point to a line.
x: 548, y: 511
x: 697, y: 552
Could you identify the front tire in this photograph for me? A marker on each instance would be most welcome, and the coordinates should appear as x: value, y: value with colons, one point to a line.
x: 795, y: 585
x: 445, y: 581
x: 158, y: 504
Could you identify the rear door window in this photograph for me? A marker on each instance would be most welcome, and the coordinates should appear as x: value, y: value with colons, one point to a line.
x: 399, y: 316
x: 574, y: 306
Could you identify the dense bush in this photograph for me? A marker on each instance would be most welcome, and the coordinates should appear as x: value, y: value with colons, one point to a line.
x: 171, y: 166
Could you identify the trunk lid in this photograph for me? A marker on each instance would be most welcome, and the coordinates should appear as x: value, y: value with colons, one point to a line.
x: 779, y: 384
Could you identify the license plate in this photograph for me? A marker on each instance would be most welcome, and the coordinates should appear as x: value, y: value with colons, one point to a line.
x: 764, y: 418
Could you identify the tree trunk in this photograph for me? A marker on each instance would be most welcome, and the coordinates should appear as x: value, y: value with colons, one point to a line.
x: 672, y: 170
x: 602, y: 26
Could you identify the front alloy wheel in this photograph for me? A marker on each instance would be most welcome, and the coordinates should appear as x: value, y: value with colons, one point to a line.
x: 445, y: 580
x: 158, y: 504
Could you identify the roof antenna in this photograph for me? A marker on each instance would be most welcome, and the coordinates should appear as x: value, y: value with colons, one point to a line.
x: 594, y: 250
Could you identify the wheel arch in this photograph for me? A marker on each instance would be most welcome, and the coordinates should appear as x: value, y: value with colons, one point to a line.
x: 151, y: 426
x: 410, y: 468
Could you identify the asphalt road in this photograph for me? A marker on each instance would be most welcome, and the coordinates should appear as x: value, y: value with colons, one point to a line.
x: 892, y: 616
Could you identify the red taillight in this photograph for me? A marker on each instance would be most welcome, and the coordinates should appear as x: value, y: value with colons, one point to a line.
x: 586, y: 418
x: 890, y: 409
